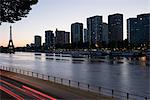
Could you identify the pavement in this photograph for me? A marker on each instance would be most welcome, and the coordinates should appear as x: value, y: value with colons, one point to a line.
x: 54, y: 89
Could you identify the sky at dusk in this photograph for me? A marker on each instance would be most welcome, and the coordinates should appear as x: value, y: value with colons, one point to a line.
x: 60, y: 14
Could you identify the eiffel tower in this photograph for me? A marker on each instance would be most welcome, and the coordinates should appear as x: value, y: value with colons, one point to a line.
x: 11, y: 48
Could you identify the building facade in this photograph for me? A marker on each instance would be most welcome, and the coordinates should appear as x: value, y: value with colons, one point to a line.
x: 49, y: 39
x: 138, y: 29
x: 62, y: 37
x: 37, y: 41
x: 133, y: 33
x: 76, y: 33
x: 86, y: 36
x: 105, y: 33
x: 94, y: 26
x: 115, y: 27
x: 67, y: 37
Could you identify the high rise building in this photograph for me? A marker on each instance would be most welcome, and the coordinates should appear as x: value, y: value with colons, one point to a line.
x: 138, y: 29
x: 62, y: 37
x: 105, y: 33
x: 67, y: 37
x: 76, y: 33
x: 133, y: 33
x: 94, y: 26
x: 115, y: 27
x: 37, y: 41
x: 86, y: 36
x: 49, y: 39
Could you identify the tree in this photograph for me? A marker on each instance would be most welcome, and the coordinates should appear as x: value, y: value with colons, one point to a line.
x: 14, y: 10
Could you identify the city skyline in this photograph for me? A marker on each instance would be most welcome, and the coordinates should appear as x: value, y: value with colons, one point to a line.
x: 71, y: 11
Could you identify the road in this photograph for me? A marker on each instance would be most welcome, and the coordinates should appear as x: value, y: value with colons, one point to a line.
x: 11, y: 89
x: 30, y: 84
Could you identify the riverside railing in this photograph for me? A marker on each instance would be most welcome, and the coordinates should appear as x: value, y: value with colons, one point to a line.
x: 84, y: 86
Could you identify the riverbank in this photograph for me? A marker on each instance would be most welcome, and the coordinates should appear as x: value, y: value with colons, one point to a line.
x: 57, y: 90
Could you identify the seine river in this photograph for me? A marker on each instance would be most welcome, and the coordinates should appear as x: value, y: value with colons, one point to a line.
x: 125, y: 74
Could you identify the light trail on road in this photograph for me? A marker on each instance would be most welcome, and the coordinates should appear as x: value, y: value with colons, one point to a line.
x: 20, y: 91
x: 11, y: 93
x: 40, y: 93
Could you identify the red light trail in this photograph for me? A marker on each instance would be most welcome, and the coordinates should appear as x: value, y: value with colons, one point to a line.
x: 11, y: 93
x: 14, y: 89
x: 40, y: 93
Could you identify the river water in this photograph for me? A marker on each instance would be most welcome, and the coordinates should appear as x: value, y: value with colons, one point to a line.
x: 125, y: 74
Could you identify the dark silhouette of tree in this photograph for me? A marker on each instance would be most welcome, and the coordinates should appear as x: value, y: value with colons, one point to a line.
x: 14, y: 10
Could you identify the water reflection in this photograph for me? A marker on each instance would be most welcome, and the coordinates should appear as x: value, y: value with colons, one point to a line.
x: 126, y: 74
x: 10, y: 61
x: 116, y: 60
x: 148, y: 60
x: 144, y: 61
